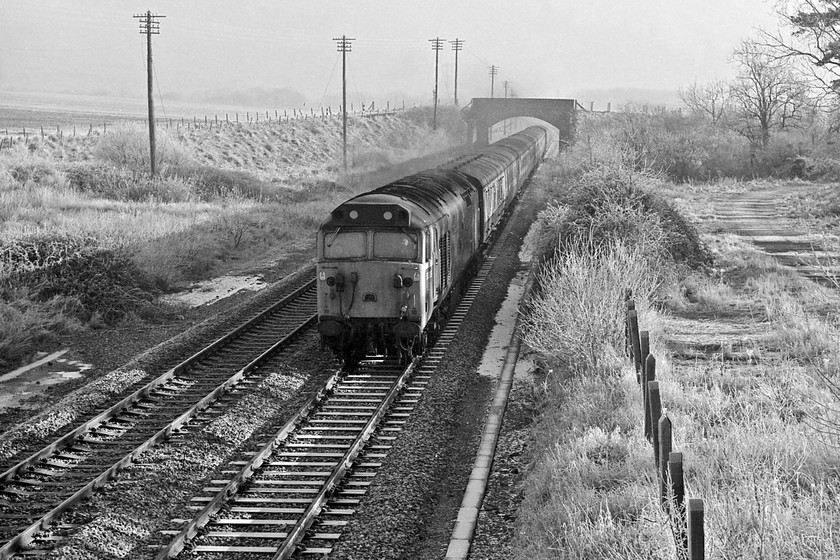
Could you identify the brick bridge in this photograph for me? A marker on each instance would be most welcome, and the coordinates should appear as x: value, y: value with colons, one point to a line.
x: 484, y: 112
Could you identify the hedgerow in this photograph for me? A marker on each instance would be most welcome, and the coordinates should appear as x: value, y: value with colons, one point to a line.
x: 101, y: 278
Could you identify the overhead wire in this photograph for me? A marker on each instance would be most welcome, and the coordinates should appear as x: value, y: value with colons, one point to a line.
x: 501, y: 74
x: 323, y: 95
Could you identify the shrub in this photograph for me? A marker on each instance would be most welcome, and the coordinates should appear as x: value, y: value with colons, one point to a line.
x: 101, y: 279
x: 210, y: 182
x: 179, y: 256
x: 609, y: 204
x: 128, y: 146
x: 25, y: 325
x: 576, y: 321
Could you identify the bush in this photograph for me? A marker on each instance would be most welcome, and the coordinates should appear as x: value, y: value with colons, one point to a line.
x: 686, y: 148
x: 179, y: 256
x: 102, y: 279
x: 128, y: 146
x: 575, y: 323
x: 122, y: 184
x: 25, y: 325
x: 209, y: 183
x: 607, y: 205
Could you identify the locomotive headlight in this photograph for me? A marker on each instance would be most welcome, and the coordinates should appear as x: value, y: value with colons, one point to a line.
x: 322, y: 275
x: 407, y: 282
x: 398, y: 281
x: 331, y: 281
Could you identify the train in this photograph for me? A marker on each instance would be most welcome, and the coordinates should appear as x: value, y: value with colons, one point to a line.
x: 393, y: 262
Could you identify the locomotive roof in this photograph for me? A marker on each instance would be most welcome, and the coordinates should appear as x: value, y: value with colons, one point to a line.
x: 427, y: 196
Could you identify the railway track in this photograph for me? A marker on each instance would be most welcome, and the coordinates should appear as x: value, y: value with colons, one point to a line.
x: 298, y: 492
x: 37, y: 490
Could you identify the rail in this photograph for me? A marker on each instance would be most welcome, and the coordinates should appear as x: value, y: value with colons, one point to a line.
x: 23, y: 538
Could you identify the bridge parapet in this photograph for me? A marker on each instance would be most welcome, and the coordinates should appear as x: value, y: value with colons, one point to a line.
x: 483, y: 112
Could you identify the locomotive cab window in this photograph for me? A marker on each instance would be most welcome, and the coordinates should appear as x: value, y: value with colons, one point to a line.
x: 395, y: 245
x: 345, y: 244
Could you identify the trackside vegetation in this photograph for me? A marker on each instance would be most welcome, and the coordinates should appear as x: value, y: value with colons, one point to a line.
x: 753, y: 413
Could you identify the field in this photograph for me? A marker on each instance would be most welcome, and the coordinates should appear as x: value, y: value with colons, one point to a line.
x: 88, y: 239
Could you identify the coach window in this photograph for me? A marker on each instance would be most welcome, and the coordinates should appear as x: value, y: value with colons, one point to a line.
x: 395, y: 245
x: 345, y: 244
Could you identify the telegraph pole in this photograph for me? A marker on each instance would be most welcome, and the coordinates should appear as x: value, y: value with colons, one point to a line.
x: 506, y: 84
x: 345, y: 45
x: 493, y: 71
x: 149, y: 25
x: 457, y: 45
x: 437, y: 46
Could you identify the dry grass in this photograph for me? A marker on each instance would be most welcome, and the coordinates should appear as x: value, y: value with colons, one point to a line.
x: 575, y: 324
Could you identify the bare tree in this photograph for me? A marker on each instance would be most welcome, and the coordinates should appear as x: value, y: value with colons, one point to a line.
x: 766, y: 94
x: 712, y: 100
x: 815, y: 39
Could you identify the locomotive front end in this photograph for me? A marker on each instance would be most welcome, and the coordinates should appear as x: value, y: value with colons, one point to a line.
x: 371, y: 278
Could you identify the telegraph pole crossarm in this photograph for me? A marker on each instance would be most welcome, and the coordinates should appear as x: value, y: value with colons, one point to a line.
x: 149, y: 25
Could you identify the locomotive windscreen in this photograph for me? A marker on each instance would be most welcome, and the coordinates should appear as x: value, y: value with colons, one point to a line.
x: 394, y: 245
x: 345, y: 244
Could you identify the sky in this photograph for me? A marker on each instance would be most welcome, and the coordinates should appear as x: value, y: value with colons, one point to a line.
x: 542, y: 48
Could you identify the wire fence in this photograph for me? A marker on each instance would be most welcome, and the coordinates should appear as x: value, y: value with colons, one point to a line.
x: 686, y: 517
x: 12, y: 136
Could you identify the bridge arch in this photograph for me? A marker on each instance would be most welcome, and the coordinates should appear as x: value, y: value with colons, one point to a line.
x: 483, y: 112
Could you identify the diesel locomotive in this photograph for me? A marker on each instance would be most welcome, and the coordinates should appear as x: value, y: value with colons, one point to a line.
x: 392, y: 262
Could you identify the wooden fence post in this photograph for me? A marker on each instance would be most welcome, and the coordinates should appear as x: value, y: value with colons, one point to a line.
x: 648, y: 376
x: 696, y: 536
x: 655, y: 411
x: 633, y: 319
x: 675, y: 474
x: 644, y: 344
x: 665, y: 445
x: 677, y: 498
x: 628, y: 345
